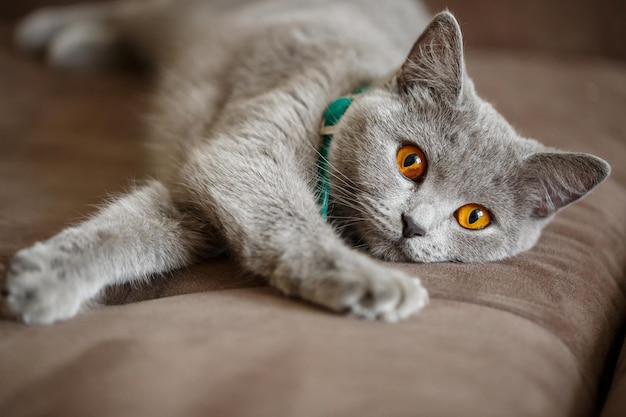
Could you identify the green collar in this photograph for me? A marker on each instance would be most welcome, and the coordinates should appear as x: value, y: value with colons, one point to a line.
x: 332, y: 115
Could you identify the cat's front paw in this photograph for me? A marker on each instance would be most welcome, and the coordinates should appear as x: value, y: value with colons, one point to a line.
x: 367, y: 289
x: 38, y: 289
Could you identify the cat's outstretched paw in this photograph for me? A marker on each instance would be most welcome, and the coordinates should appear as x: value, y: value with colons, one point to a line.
x: 388, y: 295
x: 38, y: 289
x: 369, y: 290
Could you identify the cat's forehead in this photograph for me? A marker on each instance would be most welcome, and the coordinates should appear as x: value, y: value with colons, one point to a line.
x: 430, y: 120
x: 465, y: 140
x: 470, y: 149
x: 473, y: 154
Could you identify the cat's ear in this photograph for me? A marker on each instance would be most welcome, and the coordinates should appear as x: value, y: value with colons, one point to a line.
x: 557, y: 179
x: 436, y: 61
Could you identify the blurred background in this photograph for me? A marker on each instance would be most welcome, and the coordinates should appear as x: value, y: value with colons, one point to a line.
x: 595, y: 27
x: 578, y: 27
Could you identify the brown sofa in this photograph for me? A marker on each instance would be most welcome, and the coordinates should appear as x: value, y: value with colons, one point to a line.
x: 537, y: 335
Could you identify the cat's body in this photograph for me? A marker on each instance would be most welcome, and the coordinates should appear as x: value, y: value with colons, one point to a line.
x: 235, y: 141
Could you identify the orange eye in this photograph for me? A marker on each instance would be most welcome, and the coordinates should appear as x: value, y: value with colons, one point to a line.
x: 473, y: 216
x: 411, y: 161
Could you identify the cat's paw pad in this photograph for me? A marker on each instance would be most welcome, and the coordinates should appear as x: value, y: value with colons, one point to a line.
x: 373, y: 292
x: 37, y: 290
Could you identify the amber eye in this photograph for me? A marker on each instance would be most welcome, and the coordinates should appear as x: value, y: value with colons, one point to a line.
x: 411, y: 161
x: 473, y: 216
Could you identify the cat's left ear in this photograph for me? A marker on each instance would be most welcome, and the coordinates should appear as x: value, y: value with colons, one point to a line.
x: 556, y: 179
x: 436, y: 60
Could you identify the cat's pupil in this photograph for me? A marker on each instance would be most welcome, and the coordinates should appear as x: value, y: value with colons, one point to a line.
x: 475, y: 215
x: 410, y: 160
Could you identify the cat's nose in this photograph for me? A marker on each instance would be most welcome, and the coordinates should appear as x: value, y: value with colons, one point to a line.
x: 410, y: 228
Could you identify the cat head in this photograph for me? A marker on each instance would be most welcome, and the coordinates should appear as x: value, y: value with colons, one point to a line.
x: 424, y: 170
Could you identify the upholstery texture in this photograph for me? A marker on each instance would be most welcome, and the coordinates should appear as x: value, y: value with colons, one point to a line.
x: 536, y: 335
x: 616, y: 402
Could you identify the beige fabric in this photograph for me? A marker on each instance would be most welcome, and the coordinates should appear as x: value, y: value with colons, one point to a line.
x: 529, y: 336
x: 249, y: 352
x: 616, y: 402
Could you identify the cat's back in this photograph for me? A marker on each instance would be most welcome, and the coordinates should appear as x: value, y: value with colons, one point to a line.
x: 256, y: 40
x: 229, y: 23
x: 395, y: 16
x: 227, y: 51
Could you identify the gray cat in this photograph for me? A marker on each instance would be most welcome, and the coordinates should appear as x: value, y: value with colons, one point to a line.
x: 410, y: 164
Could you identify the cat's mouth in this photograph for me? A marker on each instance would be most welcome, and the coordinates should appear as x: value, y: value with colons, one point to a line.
x: 393, y: 251
x: 396, y: 251
x: 386, y: 248
x: 389, y: 251
x: 400, y: 251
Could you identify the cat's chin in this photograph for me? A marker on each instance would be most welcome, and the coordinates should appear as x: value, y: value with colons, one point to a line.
x: 400, y: 253
x: 385, y: 252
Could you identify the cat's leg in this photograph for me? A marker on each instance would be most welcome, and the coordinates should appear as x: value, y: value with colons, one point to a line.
x: 95, y: 35
x: 72, y: 37
x: 271, y: 222
x: 137, y: 235
x: 36, y: 31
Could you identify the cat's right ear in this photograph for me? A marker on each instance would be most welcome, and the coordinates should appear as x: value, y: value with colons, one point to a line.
x: 435, y: 62
x: 556, y: 179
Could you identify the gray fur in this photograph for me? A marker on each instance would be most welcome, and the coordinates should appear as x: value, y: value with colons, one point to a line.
x: 234, y: 137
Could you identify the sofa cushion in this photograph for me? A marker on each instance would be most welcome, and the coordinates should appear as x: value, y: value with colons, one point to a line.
x: 250, y: 351
x: 616, y: 400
